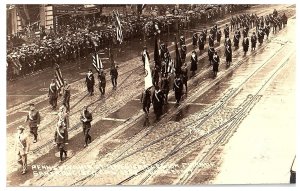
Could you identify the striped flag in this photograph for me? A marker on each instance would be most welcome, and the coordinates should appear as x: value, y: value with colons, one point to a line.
x: 118, y: 27
x: 97, y: 63
x: 58, y: 78
x: 148, y: 76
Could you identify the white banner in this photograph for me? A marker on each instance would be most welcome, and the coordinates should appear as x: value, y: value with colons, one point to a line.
x: 148, y: 76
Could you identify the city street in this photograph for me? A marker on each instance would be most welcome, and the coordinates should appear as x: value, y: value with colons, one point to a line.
x: 237, y: 128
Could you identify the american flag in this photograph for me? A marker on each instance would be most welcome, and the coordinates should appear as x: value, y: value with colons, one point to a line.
x: 58, y: 78
x: 119, y: 27
x: 97, y: 63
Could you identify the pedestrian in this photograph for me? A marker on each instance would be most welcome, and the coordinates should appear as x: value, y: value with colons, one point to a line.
x: 261, y: 35
x: 211, y: 51
x: 210, y: 40
x: 165, y: 86
x: 228, y: 55
x: 201, y: 43
x: 194, y: 63
x: 253, y: 41
x: 60, y: 139
x: 219, y: 35
x: 53, y: 94
x: 146, y: 101
x: 102, y: 82
x: 63, y: 117
x: 178, y: 87
x: 86, y: 118
x: 245, y: 45
x: 236, y: 39
x: 90, y: 82
x: 183, y: 52
x: 22, y: 148
x: 226, y: 31
x: 33, y: 119
x: 216, y: 61
x: 155, y: 76
x: 158, y: 102
x: 195, y: 39
x: 66, y: 95
x: 184, y: 76
x: 114, y: 76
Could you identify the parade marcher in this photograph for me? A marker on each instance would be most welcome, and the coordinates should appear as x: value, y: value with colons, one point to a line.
x: 253, y: 41
x: 60, y: 139
x: 178, y: 87
x: 216, y: 61
x: 284, y: 19
x: 219, y: 35
x: 114, y: 76
x: 155, y: 76
x: 267, y: 30
x: 232, y: 23
x: 53, y: 94
x: 183, y: 52
x: 63, y: 118
x: 210, y: 40
x: 201, y: 42
x: 146, y: 101
x: 211, y: 52
x: 245, y: 32
x: 260, y: 36
x: 236, y: 40
x: 33, y: 119
x: 227, y: 42
x: 226, y: 31
x: 145, y: 52
x: 228, y: 55
x: 22, y: 148
x: 245, y: 45
x: 195, y: 39
x: 165, y: 86
x: 194, y: 63
x: 90, y: 82
x: 181, y: 40
x: 86, y: 118
x: 157, y: 102
x: 204, y: 35
x: 66, y: 95
x: 184, y: 76
x: 102, y: 82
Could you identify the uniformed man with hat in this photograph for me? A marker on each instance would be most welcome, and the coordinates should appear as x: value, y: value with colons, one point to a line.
x: 22, y: 148
x: 53, y: 94
x: 33, y: 119
x: 86, y: 118
x: 90, y: 82
x: 60, y: 139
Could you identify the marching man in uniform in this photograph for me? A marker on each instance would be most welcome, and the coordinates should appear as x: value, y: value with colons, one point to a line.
x: 228, y: 54
x: 114, y: 76
x: 158, y: 102
x: 67, y: 95
x: 102, y: 82
x: 245, y: 45
x: 22, y: 148
x: 60, y: 139
x: 216, y: 61
x: 33, y: 119
x: 178, y: 87
x: 146, y: 101
x: 53, y: 94
x: 253, y: 41
x: 86, y: 118
x: 219, y: 35
x: 195, y: 39
x: 90, y: 82
x: 194, y: 62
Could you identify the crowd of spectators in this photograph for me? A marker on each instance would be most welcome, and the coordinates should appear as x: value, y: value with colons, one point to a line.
x: 77, y: 36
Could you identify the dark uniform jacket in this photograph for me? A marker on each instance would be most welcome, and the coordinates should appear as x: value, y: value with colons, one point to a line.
x: 86, y: 118
x: 33, y: 118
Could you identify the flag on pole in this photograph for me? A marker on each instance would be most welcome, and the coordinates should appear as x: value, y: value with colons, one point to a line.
x: 118, y: 27
x: 97, y: 63
x: 178, y: 63
x: 148, y: 76
x: 58, y: 78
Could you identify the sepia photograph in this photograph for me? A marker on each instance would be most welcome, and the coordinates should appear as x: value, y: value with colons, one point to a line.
x: 150, y: 94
